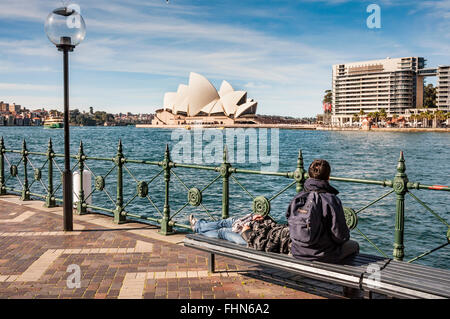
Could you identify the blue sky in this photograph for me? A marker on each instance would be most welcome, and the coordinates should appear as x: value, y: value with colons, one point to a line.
x: 281, y: 52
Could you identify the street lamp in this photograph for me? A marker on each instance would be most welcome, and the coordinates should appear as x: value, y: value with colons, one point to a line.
x: 65, y: 28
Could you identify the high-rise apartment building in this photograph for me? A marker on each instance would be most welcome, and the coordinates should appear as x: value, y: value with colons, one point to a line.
x: 395, y: 85
x: 443, y: 88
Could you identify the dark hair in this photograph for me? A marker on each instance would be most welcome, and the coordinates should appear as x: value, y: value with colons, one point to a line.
x: 319, y: 169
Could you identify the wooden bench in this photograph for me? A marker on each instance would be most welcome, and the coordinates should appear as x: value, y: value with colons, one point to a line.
x: 396, y: 279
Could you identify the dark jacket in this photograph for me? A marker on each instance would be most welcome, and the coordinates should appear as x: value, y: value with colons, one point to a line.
x: 267, y: 235
x: 334, y: 232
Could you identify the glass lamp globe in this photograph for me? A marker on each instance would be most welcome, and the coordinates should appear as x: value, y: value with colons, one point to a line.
x: 65, y: 26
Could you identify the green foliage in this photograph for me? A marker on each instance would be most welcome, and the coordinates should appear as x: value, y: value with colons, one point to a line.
x: 429, y: 96
x: 328, y: 97
x: 89, y: 119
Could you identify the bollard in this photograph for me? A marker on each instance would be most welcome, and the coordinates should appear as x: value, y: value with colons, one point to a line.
x: 50, y: 199
x: 119, y: 218
x: 225, y: 172
x: 400, y: 187
x: 299, y: 173
x: 25, y: 191
x: 2, y: 167
x: 166, y: 227
x: 81, y: 207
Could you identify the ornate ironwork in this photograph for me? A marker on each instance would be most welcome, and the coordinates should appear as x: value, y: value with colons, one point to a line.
x: 13, y: 170
x: 99, y: 183
x: 142, y: 189
x: 351, y: 219
x: 37, y: 174
x: 194, y: 196
x: 261, y: 206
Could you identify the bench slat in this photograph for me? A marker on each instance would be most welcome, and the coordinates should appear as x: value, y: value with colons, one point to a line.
x: 427, y: 276
x: 420, y: 268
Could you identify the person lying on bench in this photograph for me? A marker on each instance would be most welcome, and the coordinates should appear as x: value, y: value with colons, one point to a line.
x: 316, y: 220
x: 255, y: 231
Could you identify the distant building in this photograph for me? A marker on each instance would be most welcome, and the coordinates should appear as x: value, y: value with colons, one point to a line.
x: 395, y: 85
x: 13, y: 108
x: 443, y: 87
x: 4, y: 107
x: 200, y: 103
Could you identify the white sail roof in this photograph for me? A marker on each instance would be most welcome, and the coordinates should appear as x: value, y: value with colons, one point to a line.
x: 201, y: 93
x: 201, y: 96
x: 225, y: 88
x: 231, y: 101
x: 181, y: 96
x: 248, y: 107
x: 207, y: 109
x: 169, y: 99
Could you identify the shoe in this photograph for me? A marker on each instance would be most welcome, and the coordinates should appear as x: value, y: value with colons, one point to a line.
x: 192, y: 221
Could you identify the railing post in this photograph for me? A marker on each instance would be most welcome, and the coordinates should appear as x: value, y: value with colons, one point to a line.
x: 119, y: 218
x: 25, y: 190
x: 2, y: 168
x: 225, y: 172
x: 400, y: 187
x: 299, y: 173
x: 49, y: 199
x: 81, y: 208
x: 166, y: 227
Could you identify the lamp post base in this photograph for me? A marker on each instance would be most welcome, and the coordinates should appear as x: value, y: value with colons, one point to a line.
x: 67, y: 201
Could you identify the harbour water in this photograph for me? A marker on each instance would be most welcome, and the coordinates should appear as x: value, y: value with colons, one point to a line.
x: 371, y: 155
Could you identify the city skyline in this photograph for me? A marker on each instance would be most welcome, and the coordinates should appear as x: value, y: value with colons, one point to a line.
x: 280, y: 52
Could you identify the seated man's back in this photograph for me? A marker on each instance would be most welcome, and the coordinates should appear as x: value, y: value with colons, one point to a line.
x: 316, y: 220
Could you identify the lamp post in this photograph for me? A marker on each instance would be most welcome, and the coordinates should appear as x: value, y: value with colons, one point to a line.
x: 65, y: 28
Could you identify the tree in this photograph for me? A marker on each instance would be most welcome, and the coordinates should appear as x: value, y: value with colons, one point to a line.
x: 383, y: 114
x: 328, y: 97
x: 429, y: 96
x: 440, y: 116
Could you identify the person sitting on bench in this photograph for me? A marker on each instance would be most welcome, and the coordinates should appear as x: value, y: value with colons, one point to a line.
x: 316, y: 220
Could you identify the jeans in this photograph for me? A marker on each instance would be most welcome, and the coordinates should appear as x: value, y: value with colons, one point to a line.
x: 219, y: 229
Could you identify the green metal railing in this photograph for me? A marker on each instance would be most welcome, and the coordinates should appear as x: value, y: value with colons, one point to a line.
x: 167, y: 170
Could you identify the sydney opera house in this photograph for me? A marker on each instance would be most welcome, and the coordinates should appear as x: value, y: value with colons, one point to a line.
x: 199, y: 103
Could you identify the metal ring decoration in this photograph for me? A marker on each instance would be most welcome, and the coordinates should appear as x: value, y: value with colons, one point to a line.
x: 99, y: 183
x: 298, y: 175
x: 13, y: 170
x: 194, y: 196
x: 351, y: 219
x: 261, y: 206
x: 223, y: 170
x: 37, y: 174
x: 399, y: 186
x: 142, y: 189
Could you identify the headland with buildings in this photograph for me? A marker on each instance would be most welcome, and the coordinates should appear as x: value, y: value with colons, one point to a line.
x: 12, y: 114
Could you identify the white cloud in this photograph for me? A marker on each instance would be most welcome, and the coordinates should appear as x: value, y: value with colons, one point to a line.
x: 27, y: 87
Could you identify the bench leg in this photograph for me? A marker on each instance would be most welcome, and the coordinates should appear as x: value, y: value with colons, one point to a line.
x: 351, y: 292
x: 211, y: 263
x: 367, y: 294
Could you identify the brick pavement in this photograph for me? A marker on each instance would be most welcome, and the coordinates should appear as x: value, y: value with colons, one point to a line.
x: 123, y: 261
